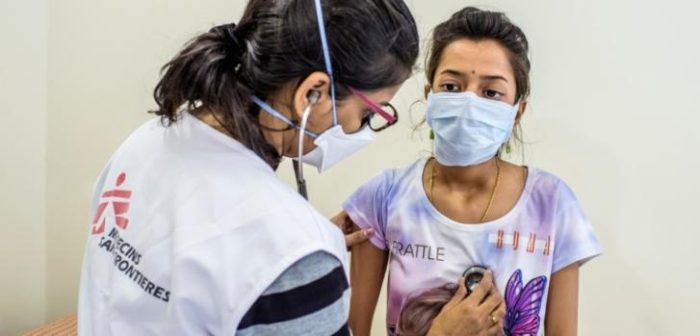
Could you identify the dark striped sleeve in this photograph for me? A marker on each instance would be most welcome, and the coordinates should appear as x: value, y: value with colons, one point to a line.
x: 309, y: 298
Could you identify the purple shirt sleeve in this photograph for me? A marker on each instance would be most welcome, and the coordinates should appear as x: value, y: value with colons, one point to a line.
x: 575, y: 240
x: 367, y: 207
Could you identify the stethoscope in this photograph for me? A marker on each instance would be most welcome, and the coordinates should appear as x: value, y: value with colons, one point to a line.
x: 313, y: 97
x: 472, y: 277
x: 297, y: 163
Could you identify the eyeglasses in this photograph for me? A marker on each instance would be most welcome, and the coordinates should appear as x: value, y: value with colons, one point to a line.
x: 380, y: 116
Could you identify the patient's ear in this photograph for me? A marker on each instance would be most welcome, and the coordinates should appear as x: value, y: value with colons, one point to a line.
x: 521, y: 111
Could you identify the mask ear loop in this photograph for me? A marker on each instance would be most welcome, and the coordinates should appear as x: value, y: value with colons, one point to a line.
x: 298, y: 165
x: 507, y: 146
x: 326, y: 55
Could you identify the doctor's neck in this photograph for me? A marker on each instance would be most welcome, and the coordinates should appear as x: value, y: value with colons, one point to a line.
x: 271, y: 129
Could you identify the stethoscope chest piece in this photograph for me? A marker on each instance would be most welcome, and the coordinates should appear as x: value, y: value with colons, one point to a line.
x: 472, y: 277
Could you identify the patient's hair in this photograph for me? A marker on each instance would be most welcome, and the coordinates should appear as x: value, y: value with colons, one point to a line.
x: 419, y: 312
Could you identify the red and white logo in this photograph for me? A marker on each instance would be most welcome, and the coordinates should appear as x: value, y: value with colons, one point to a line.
x: 119, y: 200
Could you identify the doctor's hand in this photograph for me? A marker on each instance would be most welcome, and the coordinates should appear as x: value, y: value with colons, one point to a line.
x: 479, y: 314
x: 353, y: 234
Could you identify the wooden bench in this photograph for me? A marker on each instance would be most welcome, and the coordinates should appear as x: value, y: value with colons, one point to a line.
x: 67, y: 326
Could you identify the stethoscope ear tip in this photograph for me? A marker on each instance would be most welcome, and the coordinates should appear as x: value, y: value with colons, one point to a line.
x: 313, y: 96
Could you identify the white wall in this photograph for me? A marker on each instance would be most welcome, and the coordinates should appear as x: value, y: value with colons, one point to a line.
x: 612, y: 112
x: 23, y: 61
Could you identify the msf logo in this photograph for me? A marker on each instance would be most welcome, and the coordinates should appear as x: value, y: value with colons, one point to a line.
x: 118, y: 200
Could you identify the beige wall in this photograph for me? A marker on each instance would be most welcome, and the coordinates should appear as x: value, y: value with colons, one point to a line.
x: 613, y: 112
x: 23, y: 58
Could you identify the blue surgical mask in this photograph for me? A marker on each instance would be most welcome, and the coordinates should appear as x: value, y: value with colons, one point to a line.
x: 468, y: 129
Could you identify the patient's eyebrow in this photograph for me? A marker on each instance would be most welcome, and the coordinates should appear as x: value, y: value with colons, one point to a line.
x: 494, y: 77
x: 458, y: 73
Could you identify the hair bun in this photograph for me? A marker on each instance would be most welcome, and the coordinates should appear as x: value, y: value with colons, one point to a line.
x: 233, y: 46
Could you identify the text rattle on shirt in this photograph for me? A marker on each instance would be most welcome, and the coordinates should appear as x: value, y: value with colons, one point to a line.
x: 472, y: 277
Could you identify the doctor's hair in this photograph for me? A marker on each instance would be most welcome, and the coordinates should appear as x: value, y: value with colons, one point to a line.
x: 373, y: 45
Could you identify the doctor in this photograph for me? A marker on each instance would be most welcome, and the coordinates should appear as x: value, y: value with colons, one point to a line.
x: 192, y: 233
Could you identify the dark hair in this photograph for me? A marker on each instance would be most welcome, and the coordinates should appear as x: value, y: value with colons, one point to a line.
x: 418, y: 312
x: 373, y: 44
x: 476, y: 24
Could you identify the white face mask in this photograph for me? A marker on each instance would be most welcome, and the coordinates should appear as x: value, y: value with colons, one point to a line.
x: 332, y: 146
x: 468, y: 129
